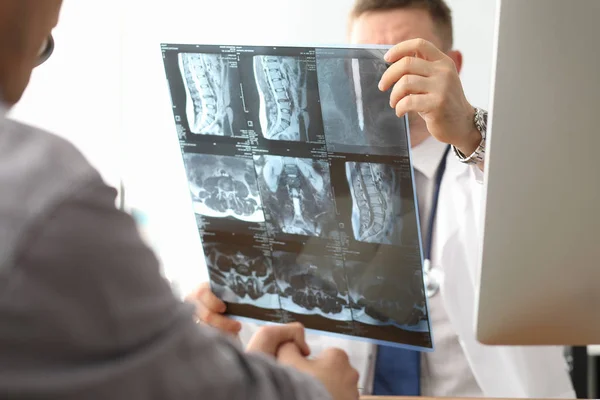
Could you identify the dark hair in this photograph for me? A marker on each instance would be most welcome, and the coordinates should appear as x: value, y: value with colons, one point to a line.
x: 438, y: 10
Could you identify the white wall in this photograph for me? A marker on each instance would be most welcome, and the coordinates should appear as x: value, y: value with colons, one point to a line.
x: 155, y: 178
x: 76, y: 93
x: 474, y: 25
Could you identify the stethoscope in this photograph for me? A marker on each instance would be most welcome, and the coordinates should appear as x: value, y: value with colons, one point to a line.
x: 433, y: 276
x: 46, y: 50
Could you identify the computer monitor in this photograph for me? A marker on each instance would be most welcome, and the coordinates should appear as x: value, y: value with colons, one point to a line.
x: 540, y: 276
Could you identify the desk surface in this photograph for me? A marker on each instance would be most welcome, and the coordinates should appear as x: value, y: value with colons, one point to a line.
x: 423, y: 398
x: 395, y: 398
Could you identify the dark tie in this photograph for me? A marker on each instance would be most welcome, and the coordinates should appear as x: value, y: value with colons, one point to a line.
x: 397, y: 372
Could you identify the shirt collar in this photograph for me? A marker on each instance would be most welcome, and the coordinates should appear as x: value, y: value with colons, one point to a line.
x: 426, y: 156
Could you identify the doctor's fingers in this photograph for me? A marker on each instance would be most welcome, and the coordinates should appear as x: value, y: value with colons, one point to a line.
x: 411, y: 84
x: 405, y: 66
x: 415, y: 47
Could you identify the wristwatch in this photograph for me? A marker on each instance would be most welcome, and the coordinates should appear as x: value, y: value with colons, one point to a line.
x: 478, y: 156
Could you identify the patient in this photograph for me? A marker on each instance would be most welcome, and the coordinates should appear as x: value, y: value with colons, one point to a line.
x: 84, y: 311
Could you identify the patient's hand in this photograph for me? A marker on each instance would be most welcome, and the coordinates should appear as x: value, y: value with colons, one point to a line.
x: 332, y: 367
x: 269, y: 339
x: 210, y: 310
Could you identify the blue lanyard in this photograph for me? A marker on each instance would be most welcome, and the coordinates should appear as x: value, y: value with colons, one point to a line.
x: 439, y: 174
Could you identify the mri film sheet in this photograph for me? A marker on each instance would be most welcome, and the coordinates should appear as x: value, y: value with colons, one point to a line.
x: 297, y: 195
x: 356, y: 114
x: 301, y: 183
x: 311, y: 284
x: 223, y: 186
x: 284, y: 87
x: 242, y: 275
x: 212, y: 93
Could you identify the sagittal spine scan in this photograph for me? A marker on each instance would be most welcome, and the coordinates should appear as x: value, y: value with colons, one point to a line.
x: 282, y: 87
x: 242, y: 275
x: 297, y: 194
x: 224, y: 186
x: 207, y: 78
x: 375, y: 207
x: 355, y: 112
x: 312, y: 285
x: 379, y: 296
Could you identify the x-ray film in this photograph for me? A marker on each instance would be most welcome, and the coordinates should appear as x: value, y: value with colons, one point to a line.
x: 302, y: 189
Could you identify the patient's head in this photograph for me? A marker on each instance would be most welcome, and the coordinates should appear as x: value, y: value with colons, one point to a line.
x: 25, y: 27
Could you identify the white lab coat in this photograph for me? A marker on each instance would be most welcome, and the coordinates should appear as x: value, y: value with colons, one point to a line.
x: 509, y: 372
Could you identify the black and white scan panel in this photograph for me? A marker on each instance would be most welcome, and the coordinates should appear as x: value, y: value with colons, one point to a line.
x: 282, y: 86
x: 381, y: 296
x: 376, y: 202
x: 357, y: 116
x: 224, y: 186
x: 296, y: 194
x: 242, y: 275
x: 311, y: 284
x: 210, y: 86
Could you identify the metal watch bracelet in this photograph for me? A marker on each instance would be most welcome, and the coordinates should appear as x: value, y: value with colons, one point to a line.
x: 478, y: 156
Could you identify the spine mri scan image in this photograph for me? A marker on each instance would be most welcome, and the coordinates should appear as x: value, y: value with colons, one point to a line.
x: 242, y: 275
x: 386, y: 294
x: 207, y: 78
x: 311, y: 284
x: 282, y: 87
x: 375, y: 206
x: 224, y: 186
x: 356, y: 114
x: 297, y: 194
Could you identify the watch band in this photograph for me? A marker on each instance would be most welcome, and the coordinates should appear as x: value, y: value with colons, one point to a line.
x: 478, y: 156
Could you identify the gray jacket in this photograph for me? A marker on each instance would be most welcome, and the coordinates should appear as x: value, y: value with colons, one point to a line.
x: 84, y: 310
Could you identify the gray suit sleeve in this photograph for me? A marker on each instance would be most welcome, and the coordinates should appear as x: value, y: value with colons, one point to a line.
x: 90, y: 316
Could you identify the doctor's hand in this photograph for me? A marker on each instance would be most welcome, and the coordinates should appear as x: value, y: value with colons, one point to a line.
x: 331, y: 367
x: 210, y: 310
x: 426, y: 81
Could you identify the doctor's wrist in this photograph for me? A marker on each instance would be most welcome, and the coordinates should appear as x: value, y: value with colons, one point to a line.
x: 470, y: 143
x: 472, y: 146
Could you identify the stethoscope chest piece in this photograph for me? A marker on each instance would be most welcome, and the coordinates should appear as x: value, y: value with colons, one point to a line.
x: 433, y: 279
x: 433, y: 276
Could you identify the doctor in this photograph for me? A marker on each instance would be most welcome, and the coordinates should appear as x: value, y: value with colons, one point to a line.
x: 448, y: 145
